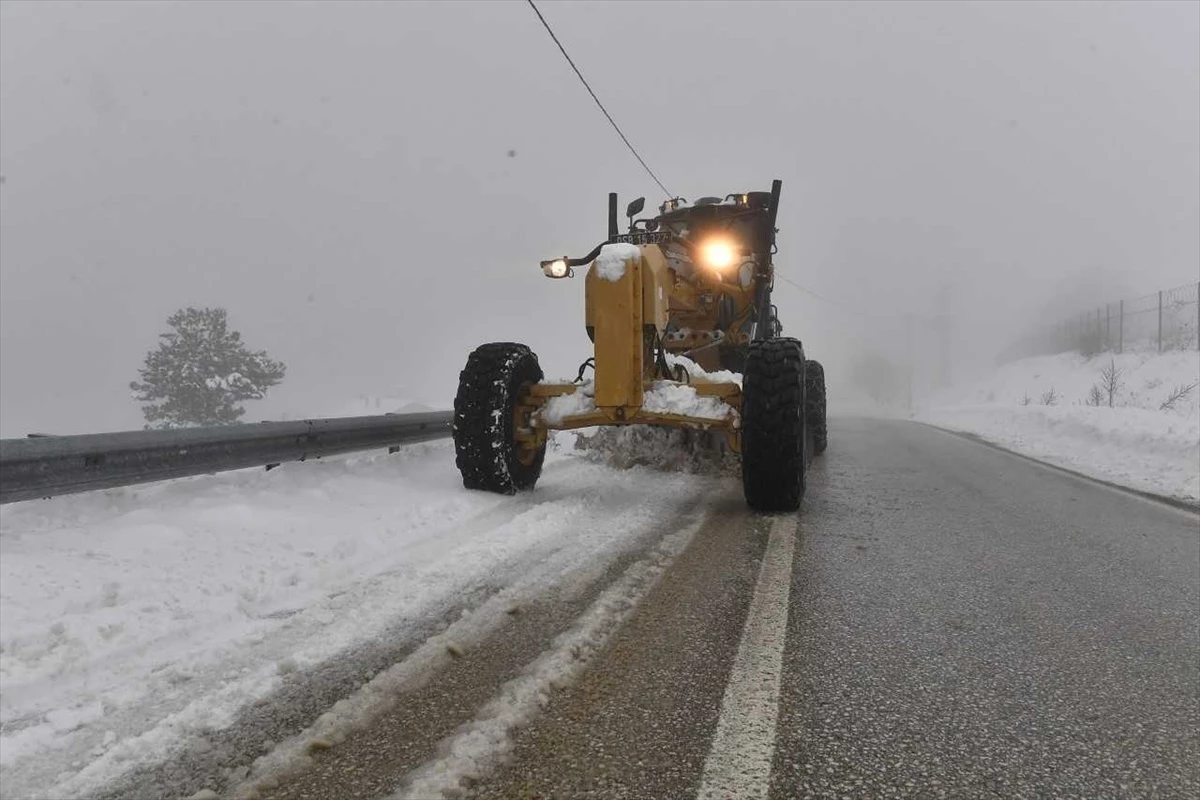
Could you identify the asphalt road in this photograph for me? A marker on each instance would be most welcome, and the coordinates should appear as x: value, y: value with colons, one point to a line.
x: 941, y: 619
x: 960, y: 623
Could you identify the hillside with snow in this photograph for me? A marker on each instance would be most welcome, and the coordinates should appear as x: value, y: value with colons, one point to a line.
x: 1057, y: 409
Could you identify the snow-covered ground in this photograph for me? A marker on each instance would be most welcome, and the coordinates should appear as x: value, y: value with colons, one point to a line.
x: 131, y: 618
x: 1136, y: 442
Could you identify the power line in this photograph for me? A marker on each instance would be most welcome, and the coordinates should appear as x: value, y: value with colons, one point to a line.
x: 820, y: 297
x: 786, y: 279
x: 597, y: 99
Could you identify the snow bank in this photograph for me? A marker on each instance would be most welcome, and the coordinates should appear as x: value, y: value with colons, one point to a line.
x: 610, y: 264
x: 1041, y: 407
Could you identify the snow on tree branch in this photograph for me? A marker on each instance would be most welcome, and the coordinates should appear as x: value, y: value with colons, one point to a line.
x: 201, y: 371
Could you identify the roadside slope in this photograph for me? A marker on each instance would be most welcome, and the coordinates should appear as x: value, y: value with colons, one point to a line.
x: 1044, y: 408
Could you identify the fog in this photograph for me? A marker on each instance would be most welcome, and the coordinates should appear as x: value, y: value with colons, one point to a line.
x: 368, y: 187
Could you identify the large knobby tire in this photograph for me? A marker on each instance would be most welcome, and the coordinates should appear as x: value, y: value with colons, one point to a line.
x: 814, y: 408
x: 485, y: 446
x: 773, y: 436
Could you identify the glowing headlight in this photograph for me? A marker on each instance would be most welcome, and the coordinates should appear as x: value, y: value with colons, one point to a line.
x: 717, y: 254
x: 557, y: 268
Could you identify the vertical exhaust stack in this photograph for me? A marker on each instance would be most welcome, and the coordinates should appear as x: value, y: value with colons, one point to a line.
x: 613, y: 230
x: 763, y: 328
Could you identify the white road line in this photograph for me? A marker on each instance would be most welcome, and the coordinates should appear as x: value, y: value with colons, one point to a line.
x: 739, y: 763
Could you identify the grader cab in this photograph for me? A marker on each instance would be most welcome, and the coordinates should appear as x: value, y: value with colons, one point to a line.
x: 684, y: 334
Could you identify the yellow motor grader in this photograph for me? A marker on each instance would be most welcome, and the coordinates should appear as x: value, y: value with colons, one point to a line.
x: 679, y: 312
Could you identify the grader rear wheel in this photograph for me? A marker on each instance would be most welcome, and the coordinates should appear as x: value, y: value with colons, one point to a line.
x: 490, y: 449
x: 814, y: 408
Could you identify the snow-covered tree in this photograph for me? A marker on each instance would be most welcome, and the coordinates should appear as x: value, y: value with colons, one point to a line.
x: 201, y: 371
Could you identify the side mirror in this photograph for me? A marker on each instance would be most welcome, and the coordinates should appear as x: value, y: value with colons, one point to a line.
x: 635, y: 207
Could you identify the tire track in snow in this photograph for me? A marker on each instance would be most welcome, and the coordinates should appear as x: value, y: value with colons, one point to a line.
x: 563, y: 577
x: 478, y: 746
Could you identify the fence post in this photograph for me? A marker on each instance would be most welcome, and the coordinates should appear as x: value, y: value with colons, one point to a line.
x: 1160, y: 320
x: 1121, y: 328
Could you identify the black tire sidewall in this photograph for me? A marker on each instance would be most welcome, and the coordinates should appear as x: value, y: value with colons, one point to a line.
x: 485, y: 444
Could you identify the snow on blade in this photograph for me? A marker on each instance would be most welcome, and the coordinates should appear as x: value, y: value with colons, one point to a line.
x: 676, y: 398
x: 664, y: 397
x: 696, y: 371
x: 559, y: 407
x: 610, y: 264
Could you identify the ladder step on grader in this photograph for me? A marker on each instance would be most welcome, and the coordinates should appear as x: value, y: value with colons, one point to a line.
x: 684, y: 335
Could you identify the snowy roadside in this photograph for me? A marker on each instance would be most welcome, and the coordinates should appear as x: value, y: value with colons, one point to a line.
x: 1045, y: 408
x: 132, y: 618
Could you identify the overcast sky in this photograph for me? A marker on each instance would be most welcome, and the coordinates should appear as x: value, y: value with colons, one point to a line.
x: 338, y: 175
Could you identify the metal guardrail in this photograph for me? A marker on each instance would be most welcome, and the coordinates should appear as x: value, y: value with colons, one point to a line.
x: 45, y: 466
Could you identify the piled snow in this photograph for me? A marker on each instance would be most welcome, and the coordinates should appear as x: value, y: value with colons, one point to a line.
x: 1135, y: 443
x: 664, y: 397
x: 610, y: 264
x: 696, y: 371
x: 686, y: 450
x: 559, y: 407
x: 131, y: 619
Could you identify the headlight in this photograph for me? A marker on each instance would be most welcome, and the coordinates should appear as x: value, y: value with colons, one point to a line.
x: 557, y: 268
x: 718, y: 254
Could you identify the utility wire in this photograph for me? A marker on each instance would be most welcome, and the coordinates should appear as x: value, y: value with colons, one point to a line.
x: 641, y: 160
x: 597, y: 99
x: 820, y: 297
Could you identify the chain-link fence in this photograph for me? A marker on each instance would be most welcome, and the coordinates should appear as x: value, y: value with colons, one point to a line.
x: 1166, y: 320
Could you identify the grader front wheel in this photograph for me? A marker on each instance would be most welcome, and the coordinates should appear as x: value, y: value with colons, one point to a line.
x: 773, y: 432
x: 490, y: 450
